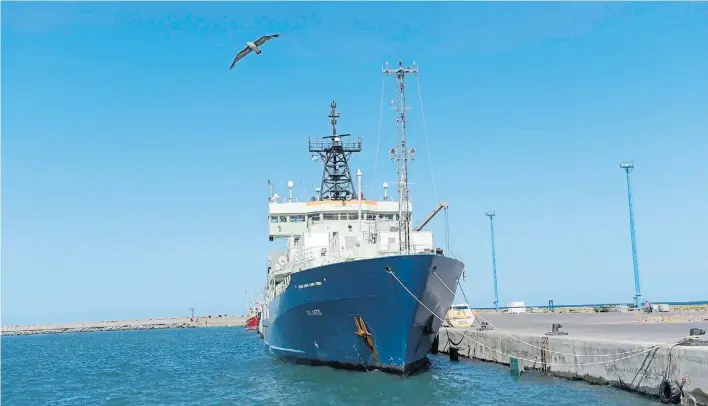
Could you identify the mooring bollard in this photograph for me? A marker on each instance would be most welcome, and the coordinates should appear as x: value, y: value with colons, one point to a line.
x: 555, y: 330
x: 454, y: 354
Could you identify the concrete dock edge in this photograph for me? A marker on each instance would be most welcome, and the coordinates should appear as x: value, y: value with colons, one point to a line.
x: 643, y: 373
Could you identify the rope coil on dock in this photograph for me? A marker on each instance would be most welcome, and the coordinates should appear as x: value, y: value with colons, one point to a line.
x: 643, y: 351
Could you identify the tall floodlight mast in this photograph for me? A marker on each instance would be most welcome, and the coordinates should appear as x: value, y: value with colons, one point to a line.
x: 337, y: 181
x: 401, y: 154
x: 628, y: 166
x: 491, y: 215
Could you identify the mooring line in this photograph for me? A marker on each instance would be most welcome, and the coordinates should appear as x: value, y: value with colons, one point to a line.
x: 646, y: 350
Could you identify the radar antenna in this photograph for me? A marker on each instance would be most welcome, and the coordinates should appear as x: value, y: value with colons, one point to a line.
x: 337, y: 181
x: 401, y: 154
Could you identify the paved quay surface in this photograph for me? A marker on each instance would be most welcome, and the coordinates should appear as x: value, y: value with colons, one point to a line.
x: 118, y: 325
x: 633, y: 351
x: 637, y: 327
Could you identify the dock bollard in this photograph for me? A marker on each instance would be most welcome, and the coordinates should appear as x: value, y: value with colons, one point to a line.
x: 696, y: 332
x: 555, y: 330
x: 454, y: 354
x: 696, y: 338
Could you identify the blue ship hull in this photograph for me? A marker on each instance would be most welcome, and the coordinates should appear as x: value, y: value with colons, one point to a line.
x: 313, y: 320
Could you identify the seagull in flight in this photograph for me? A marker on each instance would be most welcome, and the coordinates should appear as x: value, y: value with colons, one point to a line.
x: 252, y: 46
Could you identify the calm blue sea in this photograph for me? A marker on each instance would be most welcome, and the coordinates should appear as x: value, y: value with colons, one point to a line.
x: 230, y: 366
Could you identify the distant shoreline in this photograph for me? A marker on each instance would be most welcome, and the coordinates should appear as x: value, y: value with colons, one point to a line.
x: 125, y: 325
x: 239, y: 321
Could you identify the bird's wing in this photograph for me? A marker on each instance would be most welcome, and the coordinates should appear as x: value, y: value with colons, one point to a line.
x: 240, y: 56
x: 260, y: 41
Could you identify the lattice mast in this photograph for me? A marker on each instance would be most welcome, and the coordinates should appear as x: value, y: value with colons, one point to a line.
x: 402, y: 154
x: 337, y: 181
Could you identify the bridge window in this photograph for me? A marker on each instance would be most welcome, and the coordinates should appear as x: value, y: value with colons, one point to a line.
x: 297, y: 219
x: 273, y: 219
x: 371, y: 216
x: 386, y: 216
x: 353, y: 216
x: 283, y: 219
x: 331, y: 216
x: 316, y: 217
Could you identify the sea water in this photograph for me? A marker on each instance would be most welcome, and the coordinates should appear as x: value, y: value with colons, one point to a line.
x: 231, y: 366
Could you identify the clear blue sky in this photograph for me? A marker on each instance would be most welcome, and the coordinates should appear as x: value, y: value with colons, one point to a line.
x: 135, y: 164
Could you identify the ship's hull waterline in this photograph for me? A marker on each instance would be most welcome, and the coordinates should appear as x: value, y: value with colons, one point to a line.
x: 356, y: 315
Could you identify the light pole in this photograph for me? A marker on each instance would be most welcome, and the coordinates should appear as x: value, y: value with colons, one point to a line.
x: 491, y: 215
x: 628, y: 166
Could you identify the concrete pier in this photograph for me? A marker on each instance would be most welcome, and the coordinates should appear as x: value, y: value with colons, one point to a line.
x: 118, y: 325
x: 589, y: 350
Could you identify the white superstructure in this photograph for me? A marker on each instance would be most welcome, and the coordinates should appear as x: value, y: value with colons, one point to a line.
x: 322, y: 232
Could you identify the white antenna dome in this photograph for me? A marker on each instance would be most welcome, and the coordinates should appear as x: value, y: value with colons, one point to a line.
x: 385, y: 185
x: 275, y: 197
x: 291, y: 184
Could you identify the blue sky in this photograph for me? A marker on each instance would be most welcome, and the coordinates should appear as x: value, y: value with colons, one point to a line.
x: 135, y: 164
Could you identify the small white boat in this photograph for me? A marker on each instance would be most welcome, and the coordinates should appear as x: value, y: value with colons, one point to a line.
x: 460, y: 316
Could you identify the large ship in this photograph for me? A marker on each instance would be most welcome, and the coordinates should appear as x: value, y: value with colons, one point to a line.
x: 357, y: 284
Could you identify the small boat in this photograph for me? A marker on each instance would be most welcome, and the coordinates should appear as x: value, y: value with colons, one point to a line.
x: 254, y: 317
x: 252, y: 322
x: 460, y: 316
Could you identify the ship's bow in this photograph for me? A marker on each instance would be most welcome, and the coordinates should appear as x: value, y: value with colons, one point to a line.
x: 374, y: 313
x: 424, y: 286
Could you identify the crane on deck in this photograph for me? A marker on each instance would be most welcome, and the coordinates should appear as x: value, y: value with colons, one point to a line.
x: 440, y: 206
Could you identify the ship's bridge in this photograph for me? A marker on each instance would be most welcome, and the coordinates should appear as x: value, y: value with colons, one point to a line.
x: 290, y: 219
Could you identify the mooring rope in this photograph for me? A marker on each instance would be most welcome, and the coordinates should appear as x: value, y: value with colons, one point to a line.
x: 425, y: 132
x: 646, y: 350
x: 532, y: 345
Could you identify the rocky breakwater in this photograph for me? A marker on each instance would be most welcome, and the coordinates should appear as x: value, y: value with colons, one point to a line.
x: 121, y: 325
x: 93, y: 328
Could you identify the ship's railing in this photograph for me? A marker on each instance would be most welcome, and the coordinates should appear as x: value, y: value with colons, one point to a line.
x: 349, y: 146
x: 309, y: 256
x: 334, y: 260
x: 301, y: 257
x: 414, y: 249
x: 280, y: 288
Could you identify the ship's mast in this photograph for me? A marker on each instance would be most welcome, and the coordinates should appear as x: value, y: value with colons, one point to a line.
x: 337, y: 181
x: 401, y: 154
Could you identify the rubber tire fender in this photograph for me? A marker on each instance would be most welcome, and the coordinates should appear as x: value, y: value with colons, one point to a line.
x: 669, y: 392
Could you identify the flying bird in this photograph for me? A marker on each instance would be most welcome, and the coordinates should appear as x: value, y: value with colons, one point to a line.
x: 252, y: 46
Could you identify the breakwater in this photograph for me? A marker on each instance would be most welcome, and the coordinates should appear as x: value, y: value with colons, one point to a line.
x: 121, y: 325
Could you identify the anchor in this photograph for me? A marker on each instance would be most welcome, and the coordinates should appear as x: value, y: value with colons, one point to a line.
x: 363, y: 332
